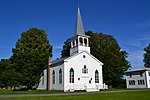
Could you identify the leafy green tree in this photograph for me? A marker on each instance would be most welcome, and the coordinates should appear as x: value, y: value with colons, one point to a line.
x: 147, y: 56
x: 4, y: 63
x: 105, y: 48
x: 66, y: 48
x: 6, y: 75
x: 30, y: 57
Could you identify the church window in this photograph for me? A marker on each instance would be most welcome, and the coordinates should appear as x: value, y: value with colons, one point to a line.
x: 96, y: 77
x: 73, y: 42
x: 60, y: 76
x: 84, y: 70
x: 85, y: 42
x: 76, y: 41
x: 90, y: 81
x: 84, y: 56
x: 42, y: 78
x: 53, y: 77
x: 71, y: 75
x: 81, y: 41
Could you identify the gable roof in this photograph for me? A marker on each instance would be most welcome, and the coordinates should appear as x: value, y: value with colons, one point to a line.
x: 58, y: 61
x: 86, y: 53
x: 62, y: 60
x: 138, y: 69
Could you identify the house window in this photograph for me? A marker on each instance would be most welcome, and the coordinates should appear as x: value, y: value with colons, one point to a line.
x: 131, y: 82
x: 130, y: 75
x: 60, y: 76
x: 141, y: 74
x: 53, y: 77
x: 149, y: 73
x: 141, y: 82
x: 84, y: 70
x: 96, y: 77
x: 71, y: 72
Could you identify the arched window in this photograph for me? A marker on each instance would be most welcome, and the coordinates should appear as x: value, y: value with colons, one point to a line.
x: 81, y: 41
x: 84, y: 70
x: 96, y: 77
x: 42, y: 78
x: 73, y: 42
x: 60, y: 76
x: 85, y: 41
x: 77, y: 42
x: 71, y: 75
x: 53, y: 77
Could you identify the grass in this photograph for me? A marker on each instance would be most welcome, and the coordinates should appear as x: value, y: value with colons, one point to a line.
x: 138, y: 95
x: 6, y: 92
x: 11, y: 92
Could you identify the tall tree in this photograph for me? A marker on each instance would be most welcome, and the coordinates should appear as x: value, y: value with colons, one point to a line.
x: 147, y: 56
x: 105, y: 48
x: 66, y: 48
x: 30, y: 56
x: 4, y: 76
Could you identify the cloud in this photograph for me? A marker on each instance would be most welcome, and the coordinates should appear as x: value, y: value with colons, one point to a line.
x: 143, y: 24
x: 136, y: 58
x: 60, y: 46
x: 144, y: 37
x: 57, y: 47
x: 138, y: 42
x: 135, y: 50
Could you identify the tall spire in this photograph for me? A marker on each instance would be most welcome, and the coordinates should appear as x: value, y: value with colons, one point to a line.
x: 79, y: 25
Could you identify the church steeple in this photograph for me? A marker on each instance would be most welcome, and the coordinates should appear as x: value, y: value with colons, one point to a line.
x: 80, y: 41
x: 79, y: 25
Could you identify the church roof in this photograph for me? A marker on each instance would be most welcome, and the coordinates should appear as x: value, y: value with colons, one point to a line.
x: 58, y: 61
x: 62, y: 60
x: 87, y: 53
x: 138, y: 69
x: 79, y: 25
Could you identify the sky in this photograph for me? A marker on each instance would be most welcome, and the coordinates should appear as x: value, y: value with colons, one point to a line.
x: 128, y: 21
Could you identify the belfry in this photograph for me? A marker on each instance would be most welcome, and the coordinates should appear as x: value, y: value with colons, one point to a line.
x: 79, y: 42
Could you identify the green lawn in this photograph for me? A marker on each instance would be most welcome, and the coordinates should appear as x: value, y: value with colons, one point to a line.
x: 5, y: 91
x: 2, y: 92
x: 138, y: 95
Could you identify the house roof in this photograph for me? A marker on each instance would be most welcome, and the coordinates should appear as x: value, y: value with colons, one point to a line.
x: 138, y: 69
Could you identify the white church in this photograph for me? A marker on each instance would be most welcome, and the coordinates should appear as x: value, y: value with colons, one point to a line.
x: 80, y: 71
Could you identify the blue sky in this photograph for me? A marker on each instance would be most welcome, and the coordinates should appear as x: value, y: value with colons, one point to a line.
x: 127, y: 20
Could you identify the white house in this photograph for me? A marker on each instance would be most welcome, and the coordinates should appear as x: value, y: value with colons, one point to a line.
x: 138, y: 78
x: 79, y: 71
